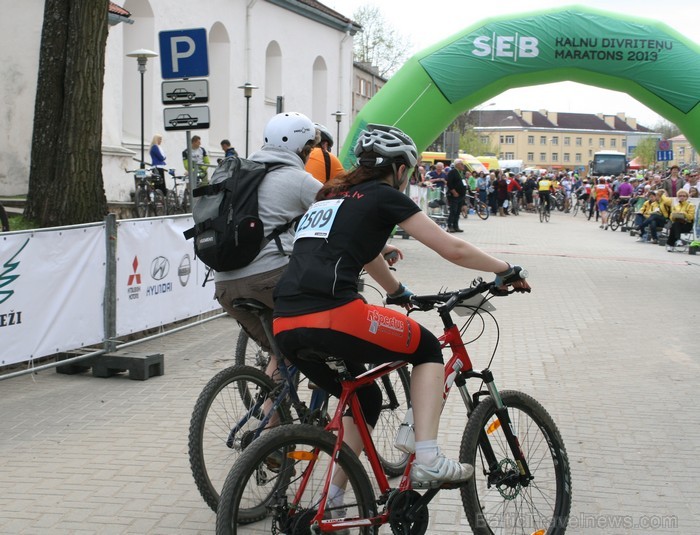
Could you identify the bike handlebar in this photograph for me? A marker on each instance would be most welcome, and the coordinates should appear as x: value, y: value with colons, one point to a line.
x: 448, y: 300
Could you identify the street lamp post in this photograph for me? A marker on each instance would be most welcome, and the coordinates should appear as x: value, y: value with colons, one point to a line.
x: 338, y: 117
x: 247, y: 93
x: 142, y: 56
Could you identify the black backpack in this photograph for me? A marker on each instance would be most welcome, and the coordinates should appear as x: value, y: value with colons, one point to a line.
x: 228, y: 234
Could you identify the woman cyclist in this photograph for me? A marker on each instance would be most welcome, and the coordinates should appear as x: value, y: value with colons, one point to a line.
x: 317, y: 304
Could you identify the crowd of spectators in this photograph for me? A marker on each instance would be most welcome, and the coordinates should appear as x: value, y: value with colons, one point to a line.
x: 662, y: 202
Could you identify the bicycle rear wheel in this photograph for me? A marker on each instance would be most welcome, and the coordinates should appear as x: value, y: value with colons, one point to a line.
x: 142, y: 200
x: 497, y: 499
x: 396, y: 399
x: 547, y: 215
x: 171, y: 204
x: 232, y: 399
x: 286, y: 496
x: 541, y: 211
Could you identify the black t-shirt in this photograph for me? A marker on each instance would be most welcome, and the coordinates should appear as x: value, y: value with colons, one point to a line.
x: 323, y: 271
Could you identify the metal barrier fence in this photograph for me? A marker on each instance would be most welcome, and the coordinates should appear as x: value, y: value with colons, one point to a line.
x: 75, y: 287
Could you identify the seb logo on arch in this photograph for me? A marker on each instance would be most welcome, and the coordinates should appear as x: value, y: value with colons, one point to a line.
x: 506, y: 46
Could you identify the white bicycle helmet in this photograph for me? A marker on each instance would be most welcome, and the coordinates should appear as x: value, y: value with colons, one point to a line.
x: 387, y: 141
x: 289, y: 130
x: 325, y: 133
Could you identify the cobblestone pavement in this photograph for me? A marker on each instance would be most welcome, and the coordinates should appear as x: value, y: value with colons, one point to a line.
x: 606, y: 342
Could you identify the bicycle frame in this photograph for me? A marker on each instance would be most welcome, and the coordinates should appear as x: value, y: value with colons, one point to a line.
x: 457, y: 370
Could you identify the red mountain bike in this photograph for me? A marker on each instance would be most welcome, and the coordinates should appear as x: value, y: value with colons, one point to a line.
x: 522, y: 481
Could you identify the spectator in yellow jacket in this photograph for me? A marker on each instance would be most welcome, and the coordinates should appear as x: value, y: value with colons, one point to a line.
x: 682, y: 218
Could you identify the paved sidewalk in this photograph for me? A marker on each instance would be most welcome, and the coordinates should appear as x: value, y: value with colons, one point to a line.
x: 606, y: 342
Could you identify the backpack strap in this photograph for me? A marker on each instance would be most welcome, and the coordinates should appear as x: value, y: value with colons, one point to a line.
x: 327, y: 159
x: 275, y: 234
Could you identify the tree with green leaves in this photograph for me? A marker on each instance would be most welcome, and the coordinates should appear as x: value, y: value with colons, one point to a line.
x: 378, y: 44
x: 645, y: 152
x: 65, y: 177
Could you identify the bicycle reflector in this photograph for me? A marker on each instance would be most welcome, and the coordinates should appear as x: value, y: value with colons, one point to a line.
x: 493, y: 427
x: 302, y: 455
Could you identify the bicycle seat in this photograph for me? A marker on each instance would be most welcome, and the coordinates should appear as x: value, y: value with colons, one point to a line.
x: 252, y: 305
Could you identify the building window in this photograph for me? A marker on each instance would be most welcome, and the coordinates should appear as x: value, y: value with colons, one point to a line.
x: 590, y: 153
x: 555, y: 140
x: 601, y: 142
x: 543, y: 140
x: 555, y: 157
x: 530, y: 140
x: 613, y: 143
x: 530, y: 156
x: 579, y: 141
x: 567, y: 157
x: 508, y: 140
x: 364, y: 88
x: 484, y: 140
x: 681, y: 151
x: 578, y: 157
x: 624, y: 143
x: 509, y: 156
x: 567, y: 140
x: 543, y: 157
x: 590, y: 141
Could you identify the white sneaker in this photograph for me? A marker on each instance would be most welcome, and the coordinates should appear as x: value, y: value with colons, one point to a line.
x: 670, y: 248
x: 443, y: 470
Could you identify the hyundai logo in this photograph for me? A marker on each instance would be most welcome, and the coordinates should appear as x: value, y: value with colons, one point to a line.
x: 159, y: 268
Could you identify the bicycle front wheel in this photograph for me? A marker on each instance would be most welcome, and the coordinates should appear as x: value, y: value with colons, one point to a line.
x: 541, y: 210
x: 142, y: 200
x: 497, y: 500
x: 482, y: 210
x: 614, y: 220
x: 158, y: 203
x: 279, y: 484
x: 547, y: 215
x: 224, y: 422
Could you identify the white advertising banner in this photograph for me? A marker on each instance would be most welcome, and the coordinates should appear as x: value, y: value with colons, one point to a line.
x: 419, y: 196
x: 158, y: 279
x: 51, y: 291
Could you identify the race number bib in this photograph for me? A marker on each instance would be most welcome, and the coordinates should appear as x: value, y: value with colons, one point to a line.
x: 318, y: 221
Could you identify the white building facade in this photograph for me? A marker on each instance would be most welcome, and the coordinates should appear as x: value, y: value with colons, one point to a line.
x: 298, y: 50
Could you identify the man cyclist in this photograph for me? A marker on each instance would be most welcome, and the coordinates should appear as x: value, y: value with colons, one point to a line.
x: 545, y: 187
x: 200, y: 158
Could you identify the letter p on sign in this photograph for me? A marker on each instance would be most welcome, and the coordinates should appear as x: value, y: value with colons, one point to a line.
x: 183, y: 53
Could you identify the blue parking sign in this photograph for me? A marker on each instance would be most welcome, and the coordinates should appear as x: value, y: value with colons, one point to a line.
x: 183, y: 53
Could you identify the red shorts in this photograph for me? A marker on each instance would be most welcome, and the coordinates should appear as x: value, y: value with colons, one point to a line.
x: 384, y: 327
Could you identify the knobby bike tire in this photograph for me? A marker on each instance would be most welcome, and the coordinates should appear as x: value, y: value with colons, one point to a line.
x: 494, y: 506
x: 171, y: 204
x: 249, y: 352
x: 255, y: 491
x: 218, y: 409
x: 158, y: 206
x: 142, y: 200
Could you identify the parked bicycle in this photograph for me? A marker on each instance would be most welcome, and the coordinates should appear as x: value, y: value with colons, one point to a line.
x: 241, y: 402
x: 522, y: 475
x: 177, y: 200
x: 148, y: 200
x: 481, y: 208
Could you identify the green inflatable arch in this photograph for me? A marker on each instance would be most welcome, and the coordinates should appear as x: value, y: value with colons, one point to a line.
x: 643, y: 58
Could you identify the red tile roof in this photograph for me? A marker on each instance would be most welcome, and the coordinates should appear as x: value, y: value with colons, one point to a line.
x: 118, y: 10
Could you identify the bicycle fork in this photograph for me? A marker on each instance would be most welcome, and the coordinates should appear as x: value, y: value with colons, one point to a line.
x: 504, y: 423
